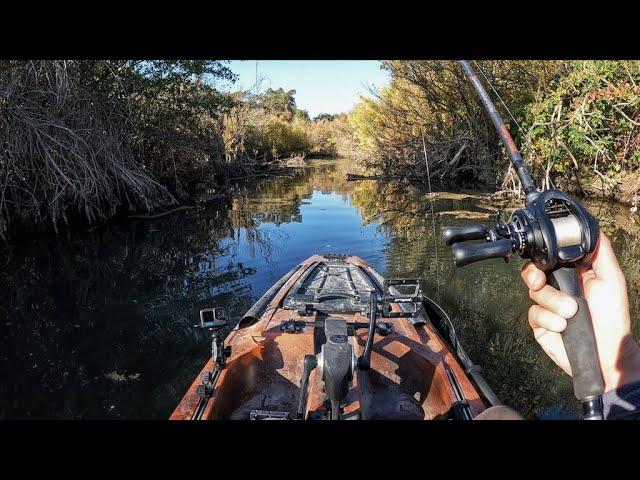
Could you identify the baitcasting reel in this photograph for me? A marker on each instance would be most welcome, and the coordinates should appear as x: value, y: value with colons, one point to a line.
x: 553, y: 230
x: 556, y: 232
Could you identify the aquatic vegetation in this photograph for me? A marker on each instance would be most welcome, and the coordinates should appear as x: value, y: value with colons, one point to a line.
x: 122, y: 377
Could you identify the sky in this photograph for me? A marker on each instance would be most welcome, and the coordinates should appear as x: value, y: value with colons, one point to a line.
x: 322, y: 86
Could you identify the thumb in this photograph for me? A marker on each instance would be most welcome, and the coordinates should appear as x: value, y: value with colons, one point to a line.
x: 604, y: 262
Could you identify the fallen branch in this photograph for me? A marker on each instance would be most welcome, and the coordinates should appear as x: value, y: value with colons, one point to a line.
x: 162, y: 214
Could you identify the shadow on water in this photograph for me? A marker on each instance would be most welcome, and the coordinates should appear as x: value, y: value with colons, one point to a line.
x: 99, y: 324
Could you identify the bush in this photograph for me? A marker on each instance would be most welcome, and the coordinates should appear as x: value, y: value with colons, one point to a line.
x: 586, y: 122
x: 576, y: 122
x: 82, y: 138
x: 276, y: 138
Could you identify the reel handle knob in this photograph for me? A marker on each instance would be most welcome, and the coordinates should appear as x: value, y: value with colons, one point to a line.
x: 462, y: 234
x: 580, y: 344
x: 465, y: 254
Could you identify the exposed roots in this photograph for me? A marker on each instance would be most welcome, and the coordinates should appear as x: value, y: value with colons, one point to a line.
x: 63, y: 145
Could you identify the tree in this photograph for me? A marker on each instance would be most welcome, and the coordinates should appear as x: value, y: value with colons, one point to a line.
x: 100, y: 134
x: 324, y: 116
x: 280, y: 102
x: 301, y: 115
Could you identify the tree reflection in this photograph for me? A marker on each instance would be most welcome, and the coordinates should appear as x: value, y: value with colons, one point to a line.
x: 101, y: 324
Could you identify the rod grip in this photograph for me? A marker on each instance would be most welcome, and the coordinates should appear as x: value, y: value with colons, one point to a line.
x: 464, y: 254
x: 462, y: 234
x: 579, y: 338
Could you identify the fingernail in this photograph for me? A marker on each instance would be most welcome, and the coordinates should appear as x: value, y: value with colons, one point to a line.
x: 568, y: 309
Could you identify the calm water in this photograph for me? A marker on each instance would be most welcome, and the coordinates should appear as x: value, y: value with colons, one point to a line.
x: 99, y: 324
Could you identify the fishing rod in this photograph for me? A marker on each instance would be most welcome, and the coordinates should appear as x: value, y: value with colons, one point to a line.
x: 557, y: 233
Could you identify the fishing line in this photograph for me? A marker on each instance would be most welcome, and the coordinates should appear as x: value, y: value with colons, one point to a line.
x: 433, y: 219
x: 498, y: 95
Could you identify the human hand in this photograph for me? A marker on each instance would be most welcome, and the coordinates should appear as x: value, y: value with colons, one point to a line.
x: 605, y: 289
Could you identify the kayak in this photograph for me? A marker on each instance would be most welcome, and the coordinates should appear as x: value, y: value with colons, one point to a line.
x: 334, y: 339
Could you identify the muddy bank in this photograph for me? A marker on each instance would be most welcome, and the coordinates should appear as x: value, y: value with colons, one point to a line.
x: 625, y: 189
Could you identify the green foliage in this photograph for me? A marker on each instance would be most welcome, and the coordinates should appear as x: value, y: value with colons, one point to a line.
x: 277, y: 138
x: 577, y: 122
x: 279, y: 102
x: 431, y: 99
x: 324, y: 116
x: 586, y: 122
x: 330, y: 136
x: 277, y: 129
x: 301, y: 116
x: 365, y: 122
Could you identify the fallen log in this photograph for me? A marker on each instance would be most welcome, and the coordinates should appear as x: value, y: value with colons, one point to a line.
x: 355, y: 176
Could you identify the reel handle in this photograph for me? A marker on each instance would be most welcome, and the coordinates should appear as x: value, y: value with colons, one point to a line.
x: 580, y: 344
x: 462, y: 234
x: 464, y: 254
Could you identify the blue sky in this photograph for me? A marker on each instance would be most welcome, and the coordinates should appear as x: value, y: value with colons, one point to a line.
x: 322, y: 86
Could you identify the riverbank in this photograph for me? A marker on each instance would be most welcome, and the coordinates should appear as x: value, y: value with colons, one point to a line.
x: 84, y: 141
x: 218, y: 191
x: 574, y: 122
x: 624, y: 189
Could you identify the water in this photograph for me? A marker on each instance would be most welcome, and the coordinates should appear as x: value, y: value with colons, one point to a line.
x: 99, y: 324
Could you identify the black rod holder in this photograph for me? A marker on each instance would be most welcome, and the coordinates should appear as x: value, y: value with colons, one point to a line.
x: 364, y: 362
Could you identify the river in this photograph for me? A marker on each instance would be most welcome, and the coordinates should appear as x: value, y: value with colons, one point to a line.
x: 99, y: 323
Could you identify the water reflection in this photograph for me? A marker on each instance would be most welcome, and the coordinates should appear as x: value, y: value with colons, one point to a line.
x: 99, y: 324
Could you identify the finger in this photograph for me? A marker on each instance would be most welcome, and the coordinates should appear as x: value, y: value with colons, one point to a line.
x: 551, y: 343
x: 555, y: 301
x: 586, y: 274
x: 604, y: 261
x: 533, y: 277
x: 542, y: 318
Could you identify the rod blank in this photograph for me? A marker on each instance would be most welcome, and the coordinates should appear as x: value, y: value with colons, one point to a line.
x: 516, y: 160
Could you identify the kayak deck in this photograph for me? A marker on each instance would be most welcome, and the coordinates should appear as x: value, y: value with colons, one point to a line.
x: 413, y: 375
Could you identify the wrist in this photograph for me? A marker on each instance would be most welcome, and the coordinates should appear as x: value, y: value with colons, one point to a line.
x: 627, y: 366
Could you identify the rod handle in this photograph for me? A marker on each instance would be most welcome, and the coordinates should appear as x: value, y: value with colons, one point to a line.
x: 462, y: 234
x: 579, y: 338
